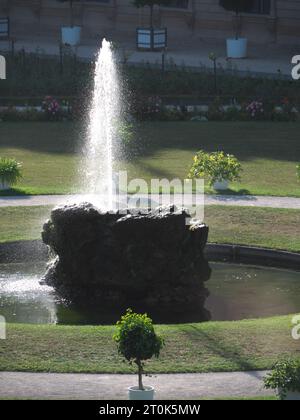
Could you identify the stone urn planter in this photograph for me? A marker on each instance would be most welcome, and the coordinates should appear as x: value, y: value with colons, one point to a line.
x: 4, y: 185
x: 70, y: 34
x: 221, y: 185
x: 135, y: 394
x: 237, y: 48
x: 290, y: 396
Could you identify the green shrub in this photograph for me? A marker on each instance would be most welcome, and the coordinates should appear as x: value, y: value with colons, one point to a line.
x: 137, y: 340
x: 285, y: 377
x: 216, y: 166
x: 10, y: 172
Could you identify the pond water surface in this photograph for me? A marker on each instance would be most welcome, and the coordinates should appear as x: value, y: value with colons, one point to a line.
x: 236, y: 292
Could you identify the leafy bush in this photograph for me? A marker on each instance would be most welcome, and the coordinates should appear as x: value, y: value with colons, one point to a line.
x: 10, y: 172
x: 285, y: 377
x: 137, y: 340
x: 216, y: 166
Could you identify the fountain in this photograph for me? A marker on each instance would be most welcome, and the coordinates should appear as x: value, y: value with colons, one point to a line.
x: 105, y: 258
x: 102, y: 136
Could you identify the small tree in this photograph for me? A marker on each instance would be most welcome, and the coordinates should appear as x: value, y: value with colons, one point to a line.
x: 71, y: 3
x: 237, y: 6
x: 137, y: 340
x: 151, y: 4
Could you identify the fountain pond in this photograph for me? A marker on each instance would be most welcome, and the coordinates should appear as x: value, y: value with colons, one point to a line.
x: 235, y: 292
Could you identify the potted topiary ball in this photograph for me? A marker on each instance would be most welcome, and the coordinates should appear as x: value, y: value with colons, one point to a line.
x: 218, y: 167
x: 138, y: 342
x: 10, y: 173
x: 151, y: 38
x: 285, y: 379
x: 70, y: 35
x: 237, y: 47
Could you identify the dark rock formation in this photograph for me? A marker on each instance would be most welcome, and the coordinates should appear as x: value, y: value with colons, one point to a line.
x: 150, y: 262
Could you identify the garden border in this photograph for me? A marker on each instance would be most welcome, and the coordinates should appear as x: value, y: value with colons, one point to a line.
x: 34, y: 251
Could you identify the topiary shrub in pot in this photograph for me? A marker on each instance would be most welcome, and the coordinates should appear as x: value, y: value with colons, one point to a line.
x: 285, y: 379
x: 10, y: 173
x: 151, y: 38
x: 70, y: 35
x: 138, y: 342
x: 237, y: 47
x: 219, y: 168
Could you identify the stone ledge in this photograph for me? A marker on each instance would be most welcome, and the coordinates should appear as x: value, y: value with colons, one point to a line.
x: 239, y: 254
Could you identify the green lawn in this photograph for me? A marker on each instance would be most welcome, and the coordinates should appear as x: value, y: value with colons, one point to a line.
x: 271, y: 228
x: 207, y: 347
x: 269, y: 153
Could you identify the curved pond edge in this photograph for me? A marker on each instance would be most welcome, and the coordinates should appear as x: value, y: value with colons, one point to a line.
x: 36, y: 251
x: 265, y: 257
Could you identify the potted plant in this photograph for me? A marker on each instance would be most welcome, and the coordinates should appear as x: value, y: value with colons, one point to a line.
x: 151, y: 38
x: 218, y: 167
x: 237, y: 47
x: 10, y: 173
x: 285, y: 378
x: 70, y: 35
x: 138, y: 342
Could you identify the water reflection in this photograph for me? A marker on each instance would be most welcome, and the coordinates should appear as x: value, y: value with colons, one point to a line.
x: 236, y: 292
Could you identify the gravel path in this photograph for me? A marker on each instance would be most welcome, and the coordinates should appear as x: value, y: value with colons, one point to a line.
x: 254, y: 201
x: 108, y: 387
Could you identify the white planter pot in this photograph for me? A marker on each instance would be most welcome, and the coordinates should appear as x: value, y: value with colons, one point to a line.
x: 151, y: 39
x: 237, y: 48
x: 71, y: 35
x: 221, y: 185
x: 135, y: 394
x: 4, y: 186
x: 292, y: 396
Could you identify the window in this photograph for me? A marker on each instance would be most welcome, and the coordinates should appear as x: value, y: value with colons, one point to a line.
x: 261, y: 7
x: 179, y: 4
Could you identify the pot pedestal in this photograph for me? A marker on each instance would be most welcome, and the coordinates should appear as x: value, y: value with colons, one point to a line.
x: 150, y: 39
x: 4, y: 186
x: 221, y: 185
x: 237, y: 48
x: 71, y: 35
x: 292, y: 396
x: 135, y: 394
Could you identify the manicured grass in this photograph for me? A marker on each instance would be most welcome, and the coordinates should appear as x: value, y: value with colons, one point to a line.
x: 269, y: 153
x: 271, y: 228
x: 207, y: 347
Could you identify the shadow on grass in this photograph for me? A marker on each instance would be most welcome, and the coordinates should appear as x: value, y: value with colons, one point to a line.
x: 231, y: 192
x: 248, y: 141
x: 14, y: 192
x: 217, y: 347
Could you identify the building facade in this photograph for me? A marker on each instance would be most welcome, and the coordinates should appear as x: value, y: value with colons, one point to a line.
x: 271, y: 21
